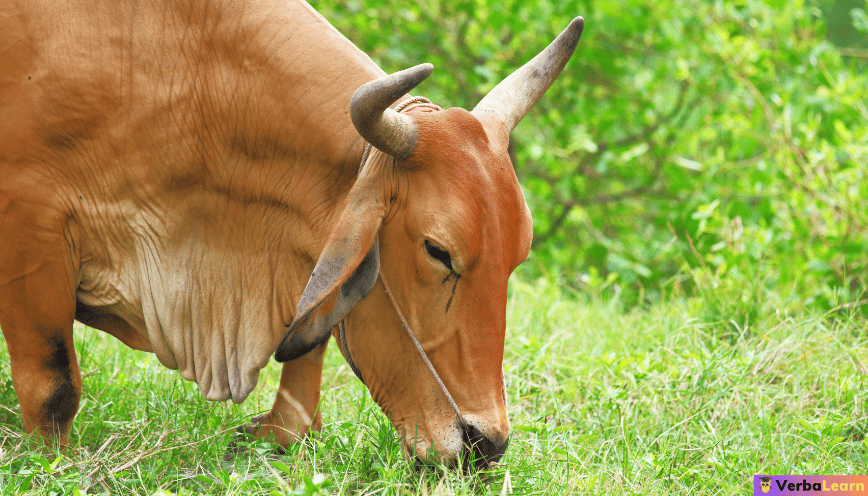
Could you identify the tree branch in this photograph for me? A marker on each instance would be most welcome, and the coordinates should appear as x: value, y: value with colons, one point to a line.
x: 860, y: 53
x: 650, y: 128
x: 600, y: 199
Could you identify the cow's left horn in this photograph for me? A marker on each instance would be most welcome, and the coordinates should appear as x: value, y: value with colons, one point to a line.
x: 514, y: 96
x: 382, y: 127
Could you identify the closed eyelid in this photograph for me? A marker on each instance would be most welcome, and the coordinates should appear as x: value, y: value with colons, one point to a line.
x: 439, y: 254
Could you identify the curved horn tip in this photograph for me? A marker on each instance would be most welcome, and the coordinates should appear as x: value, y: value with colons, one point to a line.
x: 577, y: 23
x: 576, y: 27
x: 511, y: 99
x: 573, y: 32
x: 427, y: 68
x: 391, y: 86
x: 413, y: 76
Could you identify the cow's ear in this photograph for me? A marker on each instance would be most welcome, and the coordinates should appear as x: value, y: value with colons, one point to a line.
x: 344, y: 274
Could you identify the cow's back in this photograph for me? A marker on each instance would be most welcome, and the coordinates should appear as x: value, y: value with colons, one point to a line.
x: 147, y: 74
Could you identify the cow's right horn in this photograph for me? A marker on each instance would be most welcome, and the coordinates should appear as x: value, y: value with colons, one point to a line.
x: 382, y: 127
x: 514, y: 96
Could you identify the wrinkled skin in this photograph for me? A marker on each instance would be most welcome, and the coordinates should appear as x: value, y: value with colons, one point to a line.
x: 173, y: 172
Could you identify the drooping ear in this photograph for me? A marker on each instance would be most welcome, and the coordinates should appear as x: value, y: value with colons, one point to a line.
x: 344, y: 274
x: 350, y: 262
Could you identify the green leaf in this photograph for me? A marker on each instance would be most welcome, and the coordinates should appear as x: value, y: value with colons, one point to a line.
x: 45, y: 464
x: 286, y: 469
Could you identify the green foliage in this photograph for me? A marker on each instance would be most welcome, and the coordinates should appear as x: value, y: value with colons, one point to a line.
x: 727, y: 138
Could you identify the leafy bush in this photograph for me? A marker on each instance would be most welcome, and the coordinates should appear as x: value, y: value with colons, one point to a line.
x: 688, y: 144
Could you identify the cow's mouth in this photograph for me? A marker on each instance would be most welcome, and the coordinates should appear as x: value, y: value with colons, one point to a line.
x: 477, y: 453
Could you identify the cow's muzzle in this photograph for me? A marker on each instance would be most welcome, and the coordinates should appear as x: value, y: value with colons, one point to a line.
x: 480, y: 451
x: 477, y: 451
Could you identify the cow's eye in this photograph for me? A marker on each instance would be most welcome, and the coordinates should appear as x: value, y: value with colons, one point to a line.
x: 439, y: 254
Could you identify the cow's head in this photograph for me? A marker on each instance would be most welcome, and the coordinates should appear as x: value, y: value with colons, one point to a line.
x: 438, y: 211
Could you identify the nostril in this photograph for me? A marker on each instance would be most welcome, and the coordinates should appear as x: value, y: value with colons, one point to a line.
x: 479, y: 449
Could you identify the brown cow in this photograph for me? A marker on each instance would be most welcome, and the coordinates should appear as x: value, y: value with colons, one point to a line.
x: 184, y: 175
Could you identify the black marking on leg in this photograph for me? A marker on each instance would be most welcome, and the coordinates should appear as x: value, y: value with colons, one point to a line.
x: 58, y: 360
x: 62, y: 404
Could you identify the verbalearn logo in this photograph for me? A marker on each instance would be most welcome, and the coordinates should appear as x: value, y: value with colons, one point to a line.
x: 838, y: 485
x: 805, y: 485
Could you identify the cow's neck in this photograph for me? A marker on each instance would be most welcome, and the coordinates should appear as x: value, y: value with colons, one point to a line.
x: 295, y: 75
x: 224, y: 153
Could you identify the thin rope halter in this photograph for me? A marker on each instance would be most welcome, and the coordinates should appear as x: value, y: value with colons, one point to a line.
x: 418, y: 100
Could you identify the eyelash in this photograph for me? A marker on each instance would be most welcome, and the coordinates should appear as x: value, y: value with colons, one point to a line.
x: 439, y: 254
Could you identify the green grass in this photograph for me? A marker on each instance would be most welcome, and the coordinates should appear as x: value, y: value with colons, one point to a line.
x: 660, y: 400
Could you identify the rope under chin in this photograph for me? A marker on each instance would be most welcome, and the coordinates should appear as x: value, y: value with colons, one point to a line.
x: 410, y: 103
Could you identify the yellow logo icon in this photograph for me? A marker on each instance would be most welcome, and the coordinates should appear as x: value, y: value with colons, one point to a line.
x: 766, y: 484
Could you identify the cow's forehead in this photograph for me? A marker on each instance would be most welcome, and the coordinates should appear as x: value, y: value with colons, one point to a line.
x: 457, y: 148
x: 467, y: 163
